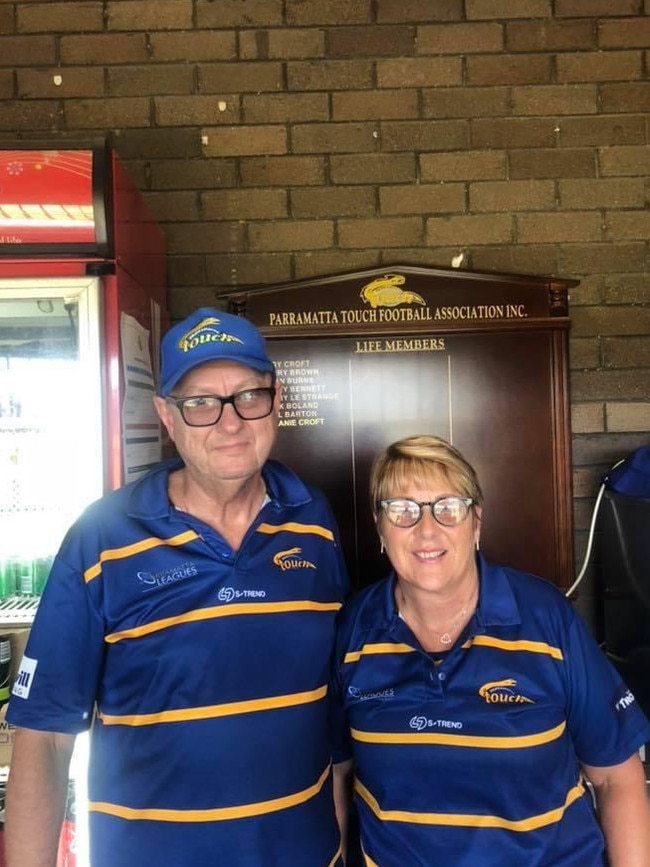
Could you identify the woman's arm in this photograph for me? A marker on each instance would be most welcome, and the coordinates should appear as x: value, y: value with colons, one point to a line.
x: 623, y: 811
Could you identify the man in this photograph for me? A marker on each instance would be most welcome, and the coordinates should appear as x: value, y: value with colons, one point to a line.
x: 190, y: 617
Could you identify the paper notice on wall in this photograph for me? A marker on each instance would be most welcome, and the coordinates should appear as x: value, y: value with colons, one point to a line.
x: 141, y: 436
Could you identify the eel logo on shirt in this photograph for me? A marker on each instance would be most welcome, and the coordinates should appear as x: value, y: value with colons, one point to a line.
x: 502, y: 692
x: 290, y: 559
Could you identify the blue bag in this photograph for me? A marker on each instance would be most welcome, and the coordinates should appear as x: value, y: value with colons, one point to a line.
x: 632, y: 475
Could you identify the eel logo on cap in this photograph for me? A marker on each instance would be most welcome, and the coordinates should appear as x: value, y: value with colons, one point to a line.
x: 207, y: 331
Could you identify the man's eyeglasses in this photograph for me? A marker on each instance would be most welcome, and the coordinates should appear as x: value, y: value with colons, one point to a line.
x: 203, y: 410
x: 448, y: 511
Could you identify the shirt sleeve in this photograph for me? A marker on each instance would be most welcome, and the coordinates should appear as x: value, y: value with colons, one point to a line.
x: 56, y: 684
x: 605, y: 721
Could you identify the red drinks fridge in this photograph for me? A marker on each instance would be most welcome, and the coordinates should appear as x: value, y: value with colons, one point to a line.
x: 82, y: 308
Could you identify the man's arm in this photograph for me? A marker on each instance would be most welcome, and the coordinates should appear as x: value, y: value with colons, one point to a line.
x: 341, y: 779
x: 623, y: 811
x: 36, y: 797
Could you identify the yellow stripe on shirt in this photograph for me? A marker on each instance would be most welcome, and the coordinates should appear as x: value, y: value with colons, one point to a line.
x: 385, y: 647
x: 137, y: 548
x: 293, y: 527
x: 221, y: 611
x: 491, y: 743
x: 215, y: 710
x: 527, y: 646
x: 470, y: 820
x: 217, y: 814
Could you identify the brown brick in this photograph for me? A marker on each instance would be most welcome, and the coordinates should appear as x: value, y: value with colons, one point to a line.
x: 6, y: 84
x: 482, y: 9
x: 508, y: 133
x: 599, y: 66
x: 601, y: 131
x: 602, y: 192
x: 282, y: 171
x: 387, y: 232
x: 185, y: 270
x: 329, y: 75
x: 550, y: 35
x: 463, y: 165
x: 517, y: 258
x: 133, y: 15
x: 244, y: 140
x: 372, y: 168
x: 374, y: 41
x: 7, y: 20
x: 397, y: 11
x: 558, y: 228
x: 191, y: 46
x: 174, y: 207
x: 75, y: 82
x: 509, y: 69
x: 627, y: 351
x: 628, y: 289
x: 182, y: 303
x: 107, y: 113
x: 248, y: 269
x: 596, y: 8
x: 584, y: 353
x: 438, y: 198
x: 424, y: 135
x: 338, y: 12
x: 27, y: 51
x: 602, y: 258
x: 610, y: 385
x: 586, y: 481
x: 244, y: 204
x: 529, y: 195
x: 466, y: 102
x: 286, y: 107
x: 624, y: 160
x: 32, y: 115
x: 197, y: 111
x: 375, y: 104
x: 466, y: 231
x: 204, y: 237
x: 291, y: 235
x: 104, y: 49
x: 588, y: 292
x: 180, y: 144
x: 553, y: 163
x: 626, y: 225
x: 301, y: 42
x: 219, y: 14
x: 420, y: 72
x: 240, y: 77
x: 324, y: 263
x: 628, y: 417
x: 332, y: 137
x: 193, y: 174
x: 59, y: 17
x: 632, y: 97
x: 626, y: 33
x: 587, y: 418
x: 333, y: 202
x: 149, y: 80
x: 459, y: 38
x: 553, y: 100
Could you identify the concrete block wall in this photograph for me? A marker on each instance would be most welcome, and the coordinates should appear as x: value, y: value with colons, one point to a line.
x: 283, y: 139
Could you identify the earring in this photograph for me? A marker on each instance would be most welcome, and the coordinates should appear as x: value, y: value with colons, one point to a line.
x: 477, y: 544
x: 381, y: 546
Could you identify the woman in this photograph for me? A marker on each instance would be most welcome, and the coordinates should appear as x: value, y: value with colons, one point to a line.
x: 477, y: 700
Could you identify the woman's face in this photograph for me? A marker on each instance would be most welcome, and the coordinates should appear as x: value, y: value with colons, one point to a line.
x: 430, y: 556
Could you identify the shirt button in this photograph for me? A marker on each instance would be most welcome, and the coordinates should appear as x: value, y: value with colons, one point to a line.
x: 441, y: 675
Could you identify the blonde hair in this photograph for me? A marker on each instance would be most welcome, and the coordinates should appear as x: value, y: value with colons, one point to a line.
x: 422, y: 458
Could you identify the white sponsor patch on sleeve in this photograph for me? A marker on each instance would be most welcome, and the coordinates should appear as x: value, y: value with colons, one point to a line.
x: 25, y: 677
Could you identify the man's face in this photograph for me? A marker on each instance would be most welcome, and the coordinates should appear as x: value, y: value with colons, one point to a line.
x: 232, y: 449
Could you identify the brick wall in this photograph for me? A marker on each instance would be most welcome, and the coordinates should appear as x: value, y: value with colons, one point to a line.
x: 281, y: 139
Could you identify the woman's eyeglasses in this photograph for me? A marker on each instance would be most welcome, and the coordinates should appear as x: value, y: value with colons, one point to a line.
x: 448, y: 511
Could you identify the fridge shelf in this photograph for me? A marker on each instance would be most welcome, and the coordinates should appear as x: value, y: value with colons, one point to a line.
x: 18, y: 610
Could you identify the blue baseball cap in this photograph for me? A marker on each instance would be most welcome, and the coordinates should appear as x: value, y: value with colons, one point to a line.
x: 207, y: 335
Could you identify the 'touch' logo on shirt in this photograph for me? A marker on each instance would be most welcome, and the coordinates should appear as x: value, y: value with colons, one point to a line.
x: 503, y: 692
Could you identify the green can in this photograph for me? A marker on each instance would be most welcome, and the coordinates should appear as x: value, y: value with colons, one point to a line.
x: 7, y: 577
x: 41, y: 569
